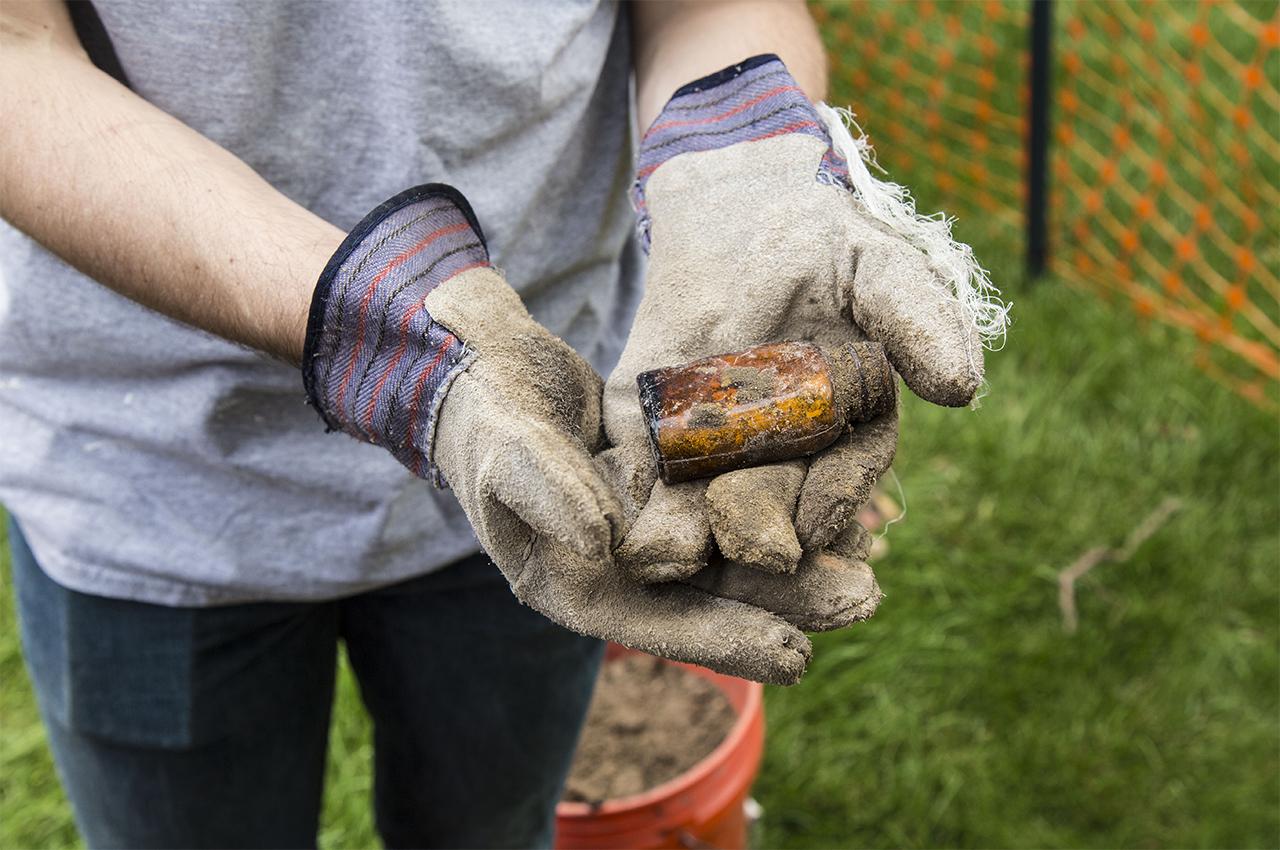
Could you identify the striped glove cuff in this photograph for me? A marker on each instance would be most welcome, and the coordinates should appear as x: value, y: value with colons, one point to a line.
x: 375, y: 364
x: 753, y: 100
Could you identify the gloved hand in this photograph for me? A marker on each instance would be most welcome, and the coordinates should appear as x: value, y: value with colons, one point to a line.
x: 759, y: 231
x: 416, y: 343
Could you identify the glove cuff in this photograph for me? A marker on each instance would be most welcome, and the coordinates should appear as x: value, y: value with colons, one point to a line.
x: 753, y: 100
x: 375, y: 364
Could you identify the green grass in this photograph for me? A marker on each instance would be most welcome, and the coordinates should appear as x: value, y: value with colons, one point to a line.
x: 963, y: 714
x: 33, y: 811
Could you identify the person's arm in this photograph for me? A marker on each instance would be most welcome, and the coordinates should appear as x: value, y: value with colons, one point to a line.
x: 142, y: 203
x: 677, y: 42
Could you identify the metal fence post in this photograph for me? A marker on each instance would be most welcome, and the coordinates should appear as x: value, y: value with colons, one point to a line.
x: 1037, y: 212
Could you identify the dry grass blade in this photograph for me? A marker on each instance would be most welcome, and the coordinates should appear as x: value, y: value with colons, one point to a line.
x: 1102, y: 554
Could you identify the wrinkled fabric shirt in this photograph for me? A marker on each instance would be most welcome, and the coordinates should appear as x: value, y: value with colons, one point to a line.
x: 147, y: 460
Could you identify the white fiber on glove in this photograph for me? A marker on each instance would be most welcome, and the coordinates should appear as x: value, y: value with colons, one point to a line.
x: 893, y: 206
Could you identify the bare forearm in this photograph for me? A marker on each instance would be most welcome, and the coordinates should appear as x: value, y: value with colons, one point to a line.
x: 143, y: 203
x: 677, y: 42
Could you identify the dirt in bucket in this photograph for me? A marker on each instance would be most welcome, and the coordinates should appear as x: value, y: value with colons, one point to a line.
x: 649, y: 722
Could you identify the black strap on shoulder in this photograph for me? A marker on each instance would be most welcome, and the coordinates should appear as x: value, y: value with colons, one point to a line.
x: 93, y: 37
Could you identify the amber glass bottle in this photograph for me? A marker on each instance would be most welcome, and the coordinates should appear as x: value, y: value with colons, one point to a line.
x: 769, y: 403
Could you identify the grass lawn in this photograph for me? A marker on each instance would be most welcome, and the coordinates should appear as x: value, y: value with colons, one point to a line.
x: 964, y: 714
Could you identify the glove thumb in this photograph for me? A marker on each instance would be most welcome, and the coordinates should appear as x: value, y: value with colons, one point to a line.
x: 899, y: 300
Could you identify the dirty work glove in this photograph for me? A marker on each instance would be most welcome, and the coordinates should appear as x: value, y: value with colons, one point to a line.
x: 759, y: 230
x: 417, y: 344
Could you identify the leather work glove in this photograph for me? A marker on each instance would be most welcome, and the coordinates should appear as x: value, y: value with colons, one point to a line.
x: 417, y: 344
x: 759, y: 230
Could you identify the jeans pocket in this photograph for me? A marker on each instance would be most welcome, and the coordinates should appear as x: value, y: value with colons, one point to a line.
x: 110, y: 668
x: 128, y: 671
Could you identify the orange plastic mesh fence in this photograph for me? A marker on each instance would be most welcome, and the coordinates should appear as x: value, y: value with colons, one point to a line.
x: 1165, y: 181
x: 941, y: 91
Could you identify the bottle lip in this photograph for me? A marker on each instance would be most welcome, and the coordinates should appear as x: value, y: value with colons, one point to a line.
x: 670, y: 396
x: 863, y: 379
x: 868, y: 366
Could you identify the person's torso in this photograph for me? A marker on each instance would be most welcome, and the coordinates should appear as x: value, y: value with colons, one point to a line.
x: 149, y: 460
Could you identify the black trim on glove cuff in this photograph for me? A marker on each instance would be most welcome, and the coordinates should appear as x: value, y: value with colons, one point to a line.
x: 724, y: 75
x: 320, y: 298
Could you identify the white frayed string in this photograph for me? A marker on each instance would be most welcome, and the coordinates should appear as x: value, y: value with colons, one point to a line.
x: 902, y: 504
x: 893, y: 206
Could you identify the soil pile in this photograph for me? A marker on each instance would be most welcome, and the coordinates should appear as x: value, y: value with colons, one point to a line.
x: 648, y: 723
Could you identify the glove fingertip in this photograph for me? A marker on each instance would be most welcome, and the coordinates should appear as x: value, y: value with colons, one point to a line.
x: 586, y: 536
x: 833, y: 492
x: 650, y: 560
x: 947, y: 381
x: 654, y: 572
x: 928, y: 335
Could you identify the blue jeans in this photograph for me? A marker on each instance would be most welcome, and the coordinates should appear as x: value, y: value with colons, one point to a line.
x: 206, y: 727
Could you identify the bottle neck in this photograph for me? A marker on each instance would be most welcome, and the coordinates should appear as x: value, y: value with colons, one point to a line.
x: 863, y: 381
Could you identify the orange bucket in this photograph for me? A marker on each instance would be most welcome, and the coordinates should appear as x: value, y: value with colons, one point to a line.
x: 702, y: 807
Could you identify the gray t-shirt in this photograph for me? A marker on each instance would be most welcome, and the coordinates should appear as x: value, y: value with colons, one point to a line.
x: 147, y: 460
